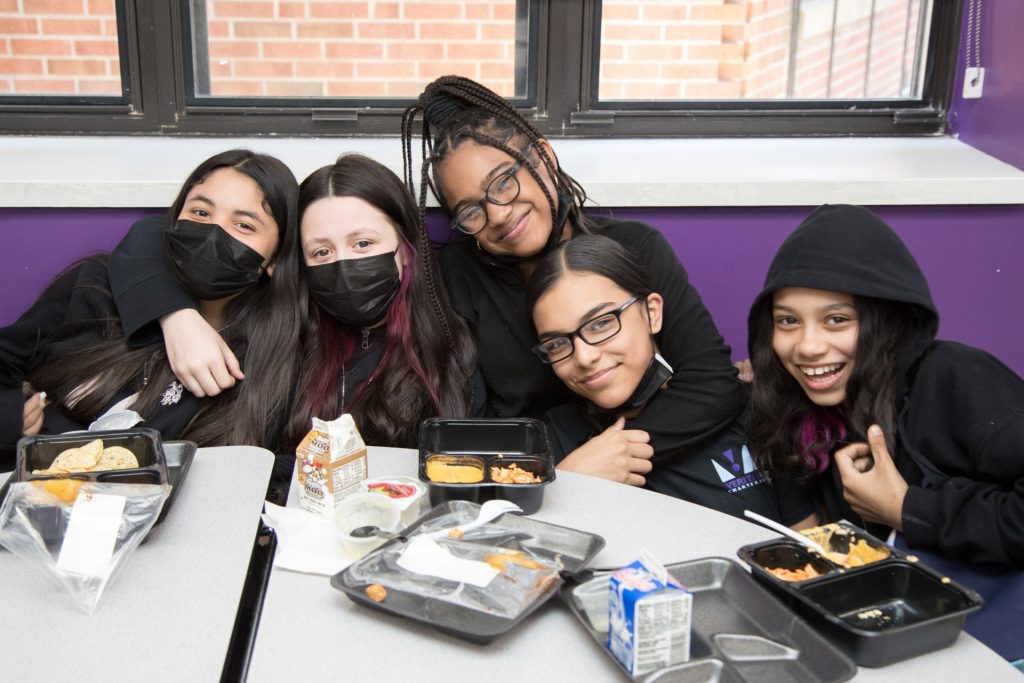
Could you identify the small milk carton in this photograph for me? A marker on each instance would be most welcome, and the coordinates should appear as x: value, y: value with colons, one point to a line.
x: 330, y: 464
x: 648, y: 617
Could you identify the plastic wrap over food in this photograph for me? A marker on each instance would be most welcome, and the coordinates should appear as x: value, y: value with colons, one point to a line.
x: 79, y: 531
x: 483, y: 569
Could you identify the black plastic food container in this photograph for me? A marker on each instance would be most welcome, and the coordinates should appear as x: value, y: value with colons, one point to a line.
x: 878, y: 613
x: 888, y: 612
x: 39, y: 452
x: 494, y: 443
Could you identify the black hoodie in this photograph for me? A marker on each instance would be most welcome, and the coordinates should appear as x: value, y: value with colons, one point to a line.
x: 960, y: 424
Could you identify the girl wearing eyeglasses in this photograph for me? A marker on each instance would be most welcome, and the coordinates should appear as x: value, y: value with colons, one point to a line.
x: 510, y: 199
x: 600, y: 328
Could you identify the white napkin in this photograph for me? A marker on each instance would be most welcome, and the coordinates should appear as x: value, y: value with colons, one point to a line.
x: 306, y: 542
x: 424, y: 556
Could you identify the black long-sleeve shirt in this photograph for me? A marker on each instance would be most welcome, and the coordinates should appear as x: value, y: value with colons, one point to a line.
x: 704, y: 396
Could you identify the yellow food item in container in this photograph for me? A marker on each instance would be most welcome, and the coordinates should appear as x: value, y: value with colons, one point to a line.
x: 454, y: 470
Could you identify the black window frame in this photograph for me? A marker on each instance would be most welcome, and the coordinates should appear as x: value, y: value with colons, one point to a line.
x: 562, y: 46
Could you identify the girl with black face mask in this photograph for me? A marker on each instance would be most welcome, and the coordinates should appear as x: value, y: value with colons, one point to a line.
x: 600, y: 328
x: 379, y: 339
x: 382, y: 342
x: 228, y: 241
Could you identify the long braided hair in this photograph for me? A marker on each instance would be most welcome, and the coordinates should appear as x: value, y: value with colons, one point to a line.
x: 454, y: 110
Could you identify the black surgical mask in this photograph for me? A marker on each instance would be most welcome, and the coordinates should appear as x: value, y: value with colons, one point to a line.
x: 209, y: 262
x: 356, y: 291
x: 657, y: 373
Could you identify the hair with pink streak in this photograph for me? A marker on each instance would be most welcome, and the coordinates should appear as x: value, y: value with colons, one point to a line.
x: 428, y: 356
x: 820, y: 429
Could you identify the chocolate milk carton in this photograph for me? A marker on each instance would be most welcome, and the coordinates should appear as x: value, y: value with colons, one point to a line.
x: 648, y: 617
x: 330, y: 464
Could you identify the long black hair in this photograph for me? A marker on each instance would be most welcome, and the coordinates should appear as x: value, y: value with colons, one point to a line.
x: 594, y: 254
x: 455, y: 109
x: 261, y: 324
x: 425, y: 367
x: 790, y: 432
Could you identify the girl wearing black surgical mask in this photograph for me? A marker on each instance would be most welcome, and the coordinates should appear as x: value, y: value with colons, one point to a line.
x: 382, y: 342
x: 599, y: 327
x: 379, y: 339
x: 228, y: 239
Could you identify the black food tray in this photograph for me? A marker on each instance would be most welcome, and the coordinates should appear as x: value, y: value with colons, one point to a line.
x: 575, y: 549
x: 739, y: 632
x: 879, y: 613
x: 178, y: 456
x: 491, y: 442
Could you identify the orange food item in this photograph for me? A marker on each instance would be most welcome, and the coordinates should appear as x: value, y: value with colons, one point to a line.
x: 65, y: 489
x: 513, y: 474
x: 376, y: 592
x: 861, y: 553
x: 500, y: 561
x: 799, y: 574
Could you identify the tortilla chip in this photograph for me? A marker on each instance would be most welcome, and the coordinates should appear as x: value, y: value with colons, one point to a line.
x: 76, y: 460
x: 117, y: 458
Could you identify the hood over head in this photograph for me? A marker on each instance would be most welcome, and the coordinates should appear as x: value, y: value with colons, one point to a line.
x: 843, y: 248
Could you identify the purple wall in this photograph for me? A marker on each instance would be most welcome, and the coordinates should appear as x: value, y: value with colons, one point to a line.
x: 993, y: 123
x: 970, y: 255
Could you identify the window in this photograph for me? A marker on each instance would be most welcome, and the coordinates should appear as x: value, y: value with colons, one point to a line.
x: 577, y: 67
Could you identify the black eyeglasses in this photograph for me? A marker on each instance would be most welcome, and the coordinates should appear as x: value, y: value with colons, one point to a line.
x: 501, y: 191
x: 594, y: 331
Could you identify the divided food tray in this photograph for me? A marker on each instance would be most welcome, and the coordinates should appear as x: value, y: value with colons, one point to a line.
x: 879, y: 613
x: 739, y: 632
x: 574, y: 549
x: 178, y: 456
x: 486, y: 443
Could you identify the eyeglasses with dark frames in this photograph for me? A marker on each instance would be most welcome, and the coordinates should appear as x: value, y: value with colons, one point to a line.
x: 501, y: 191
x: 594, y: 331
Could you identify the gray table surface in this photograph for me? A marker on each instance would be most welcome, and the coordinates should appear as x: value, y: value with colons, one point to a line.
x: 168, y: 614
x: 310, y: 631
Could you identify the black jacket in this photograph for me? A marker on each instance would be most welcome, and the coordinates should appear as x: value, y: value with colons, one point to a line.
x: 960, y: 426
x: 702, y: 399
x: 145, y: 289
x: 79, y: 299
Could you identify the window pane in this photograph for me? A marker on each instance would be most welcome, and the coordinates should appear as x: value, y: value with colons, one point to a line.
x: 59, y: 47
x: 761, y: 49
x: 375, y: 49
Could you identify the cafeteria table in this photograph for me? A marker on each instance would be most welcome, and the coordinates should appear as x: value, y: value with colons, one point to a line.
x: 168, y: 614
x: 310, y: 631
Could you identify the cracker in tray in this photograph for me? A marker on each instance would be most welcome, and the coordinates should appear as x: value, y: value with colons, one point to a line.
x: 78, y: 459
x: 92, y: 456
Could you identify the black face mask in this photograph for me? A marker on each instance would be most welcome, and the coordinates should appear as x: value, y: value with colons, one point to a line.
x: 657, y: 373
x: 356, y: 291
x: 209, y: 262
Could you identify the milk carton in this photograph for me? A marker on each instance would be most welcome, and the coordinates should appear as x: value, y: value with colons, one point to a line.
x: 330, y: 464
x: 648, y: 617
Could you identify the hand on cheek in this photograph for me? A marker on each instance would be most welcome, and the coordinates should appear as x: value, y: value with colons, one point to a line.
x: 872, y: 485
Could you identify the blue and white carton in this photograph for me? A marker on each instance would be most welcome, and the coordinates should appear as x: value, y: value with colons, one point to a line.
x: 649, y: 616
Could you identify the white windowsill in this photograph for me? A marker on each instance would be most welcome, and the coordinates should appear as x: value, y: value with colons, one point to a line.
x: 86, y: 172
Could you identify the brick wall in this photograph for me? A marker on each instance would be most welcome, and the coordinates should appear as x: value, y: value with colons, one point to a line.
x: 650, y: 49
x: 59, y: 47
x: 740, y: 49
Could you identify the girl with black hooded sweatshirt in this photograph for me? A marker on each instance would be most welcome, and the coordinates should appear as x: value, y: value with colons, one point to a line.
x: 862, y: 414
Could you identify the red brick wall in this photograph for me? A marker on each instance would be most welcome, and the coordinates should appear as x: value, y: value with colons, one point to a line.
x: 61, y: 47
x: 650, y: 49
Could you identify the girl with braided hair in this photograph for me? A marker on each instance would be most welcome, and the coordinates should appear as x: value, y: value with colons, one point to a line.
x: 373, y: 341
x: 505, y: 191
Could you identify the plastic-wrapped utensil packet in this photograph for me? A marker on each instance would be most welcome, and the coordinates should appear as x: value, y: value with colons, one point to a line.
x: 80, y: 532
